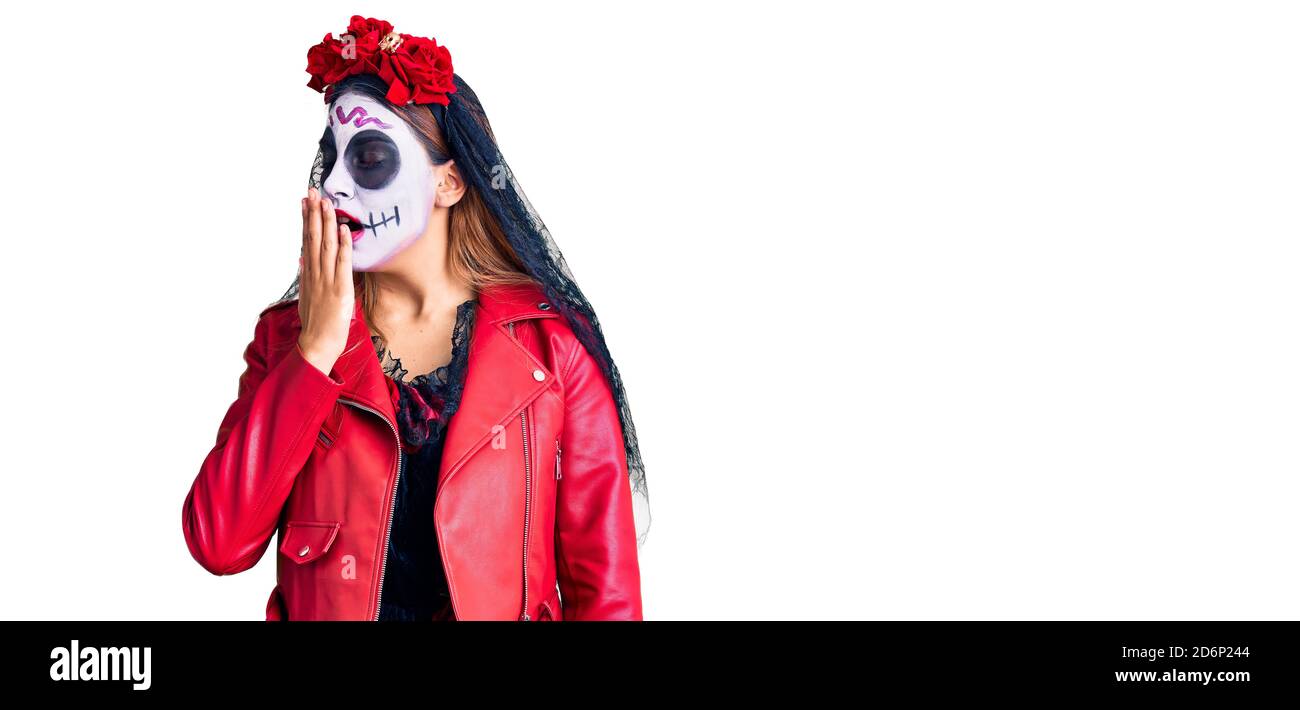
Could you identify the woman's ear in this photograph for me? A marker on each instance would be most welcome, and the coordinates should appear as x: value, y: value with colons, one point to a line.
x: 449, y: 187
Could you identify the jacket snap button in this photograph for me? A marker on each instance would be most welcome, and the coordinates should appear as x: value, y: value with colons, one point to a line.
x: 538, y: 375
x: 544, y: 306
x: 303, y: 552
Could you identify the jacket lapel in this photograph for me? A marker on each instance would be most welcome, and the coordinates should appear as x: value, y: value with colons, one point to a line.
x: 499, y: 381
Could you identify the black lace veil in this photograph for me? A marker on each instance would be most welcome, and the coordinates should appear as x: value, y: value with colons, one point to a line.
x: 469, y: 138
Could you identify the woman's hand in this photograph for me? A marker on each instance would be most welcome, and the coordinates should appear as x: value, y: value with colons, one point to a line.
x: 325, y: 295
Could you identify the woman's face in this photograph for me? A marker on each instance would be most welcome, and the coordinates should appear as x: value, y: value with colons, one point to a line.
x: 379, y: 177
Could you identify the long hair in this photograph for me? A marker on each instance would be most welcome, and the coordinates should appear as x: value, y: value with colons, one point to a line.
x: 496, y: 237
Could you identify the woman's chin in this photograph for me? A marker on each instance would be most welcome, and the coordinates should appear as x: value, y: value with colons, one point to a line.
x: 363, y: 261
x: 364, y: 264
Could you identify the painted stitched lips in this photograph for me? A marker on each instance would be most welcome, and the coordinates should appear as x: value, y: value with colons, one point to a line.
x: 372, y: 223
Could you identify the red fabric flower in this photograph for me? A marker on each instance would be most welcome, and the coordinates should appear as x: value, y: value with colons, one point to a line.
x: 416, y: 69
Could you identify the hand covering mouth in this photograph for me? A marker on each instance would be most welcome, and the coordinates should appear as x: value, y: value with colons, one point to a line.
x: 352, y: 223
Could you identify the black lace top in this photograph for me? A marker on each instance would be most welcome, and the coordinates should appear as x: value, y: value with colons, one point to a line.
x: 414, y: 585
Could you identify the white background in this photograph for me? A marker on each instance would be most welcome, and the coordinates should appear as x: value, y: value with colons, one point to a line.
x: 927, y: 310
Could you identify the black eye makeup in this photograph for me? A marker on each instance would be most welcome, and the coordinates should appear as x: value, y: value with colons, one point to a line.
x: 329, y: 154
x: 372, y: 159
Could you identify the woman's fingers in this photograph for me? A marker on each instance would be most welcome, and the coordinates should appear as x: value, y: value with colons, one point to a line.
x: 329, y: 243
x: 344, y: 265
x: 325, y: 295
x: 307, y: 257
x: 327, y: 280
x: 313, y: 231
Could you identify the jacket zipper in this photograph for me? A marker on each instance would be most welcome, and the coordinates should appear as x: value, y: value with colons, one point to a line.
x: 392, y: 501
x: 528, y: 490
x: 557, y: 460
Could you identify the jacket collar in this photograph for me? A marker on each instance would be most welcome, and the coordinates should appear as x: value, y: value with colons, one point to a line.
x: 500, y: 379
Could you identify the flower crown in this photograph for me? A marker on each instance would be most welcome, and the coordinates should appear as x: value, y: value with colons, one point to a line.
x: 416, y: 69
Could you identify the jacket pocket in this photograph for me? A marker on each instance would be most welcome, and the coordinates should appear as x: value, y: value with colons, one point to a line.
x: 306, y: 540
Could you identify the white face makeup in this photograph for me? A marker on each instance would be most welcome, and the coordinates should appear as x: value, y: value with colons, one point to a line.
x: 379, y: 177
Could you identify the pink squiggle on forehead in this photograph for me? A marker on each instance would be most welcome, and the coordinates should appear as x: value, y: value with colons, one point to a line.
x: 357, y: 117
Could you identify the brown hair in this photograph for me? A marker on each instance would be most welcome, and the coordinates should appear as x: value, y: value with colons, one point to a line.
x: 477, y: 250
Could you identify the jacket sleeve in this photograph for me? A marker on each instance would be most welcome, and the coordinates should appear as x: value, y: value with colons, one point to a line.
x: 264, y: 440
x: 596, y: 546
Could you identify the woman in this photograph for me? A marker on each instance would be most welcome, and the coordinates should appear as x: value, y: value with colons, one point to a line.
x: 429, y: 417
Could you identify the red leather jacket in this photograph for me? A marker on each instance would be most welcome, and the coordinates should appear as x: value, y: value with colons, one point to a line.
x: 533, y: 513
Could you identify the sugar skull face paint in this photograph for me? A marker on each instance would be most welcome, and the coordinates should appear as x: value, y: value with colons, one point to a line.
x: 379, y: 177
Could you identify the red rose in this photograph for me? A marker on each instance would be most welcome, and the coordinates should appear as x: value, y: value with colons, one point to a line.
x: 366, y: 32
x: 416, y: 69
x: 365, y: 26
